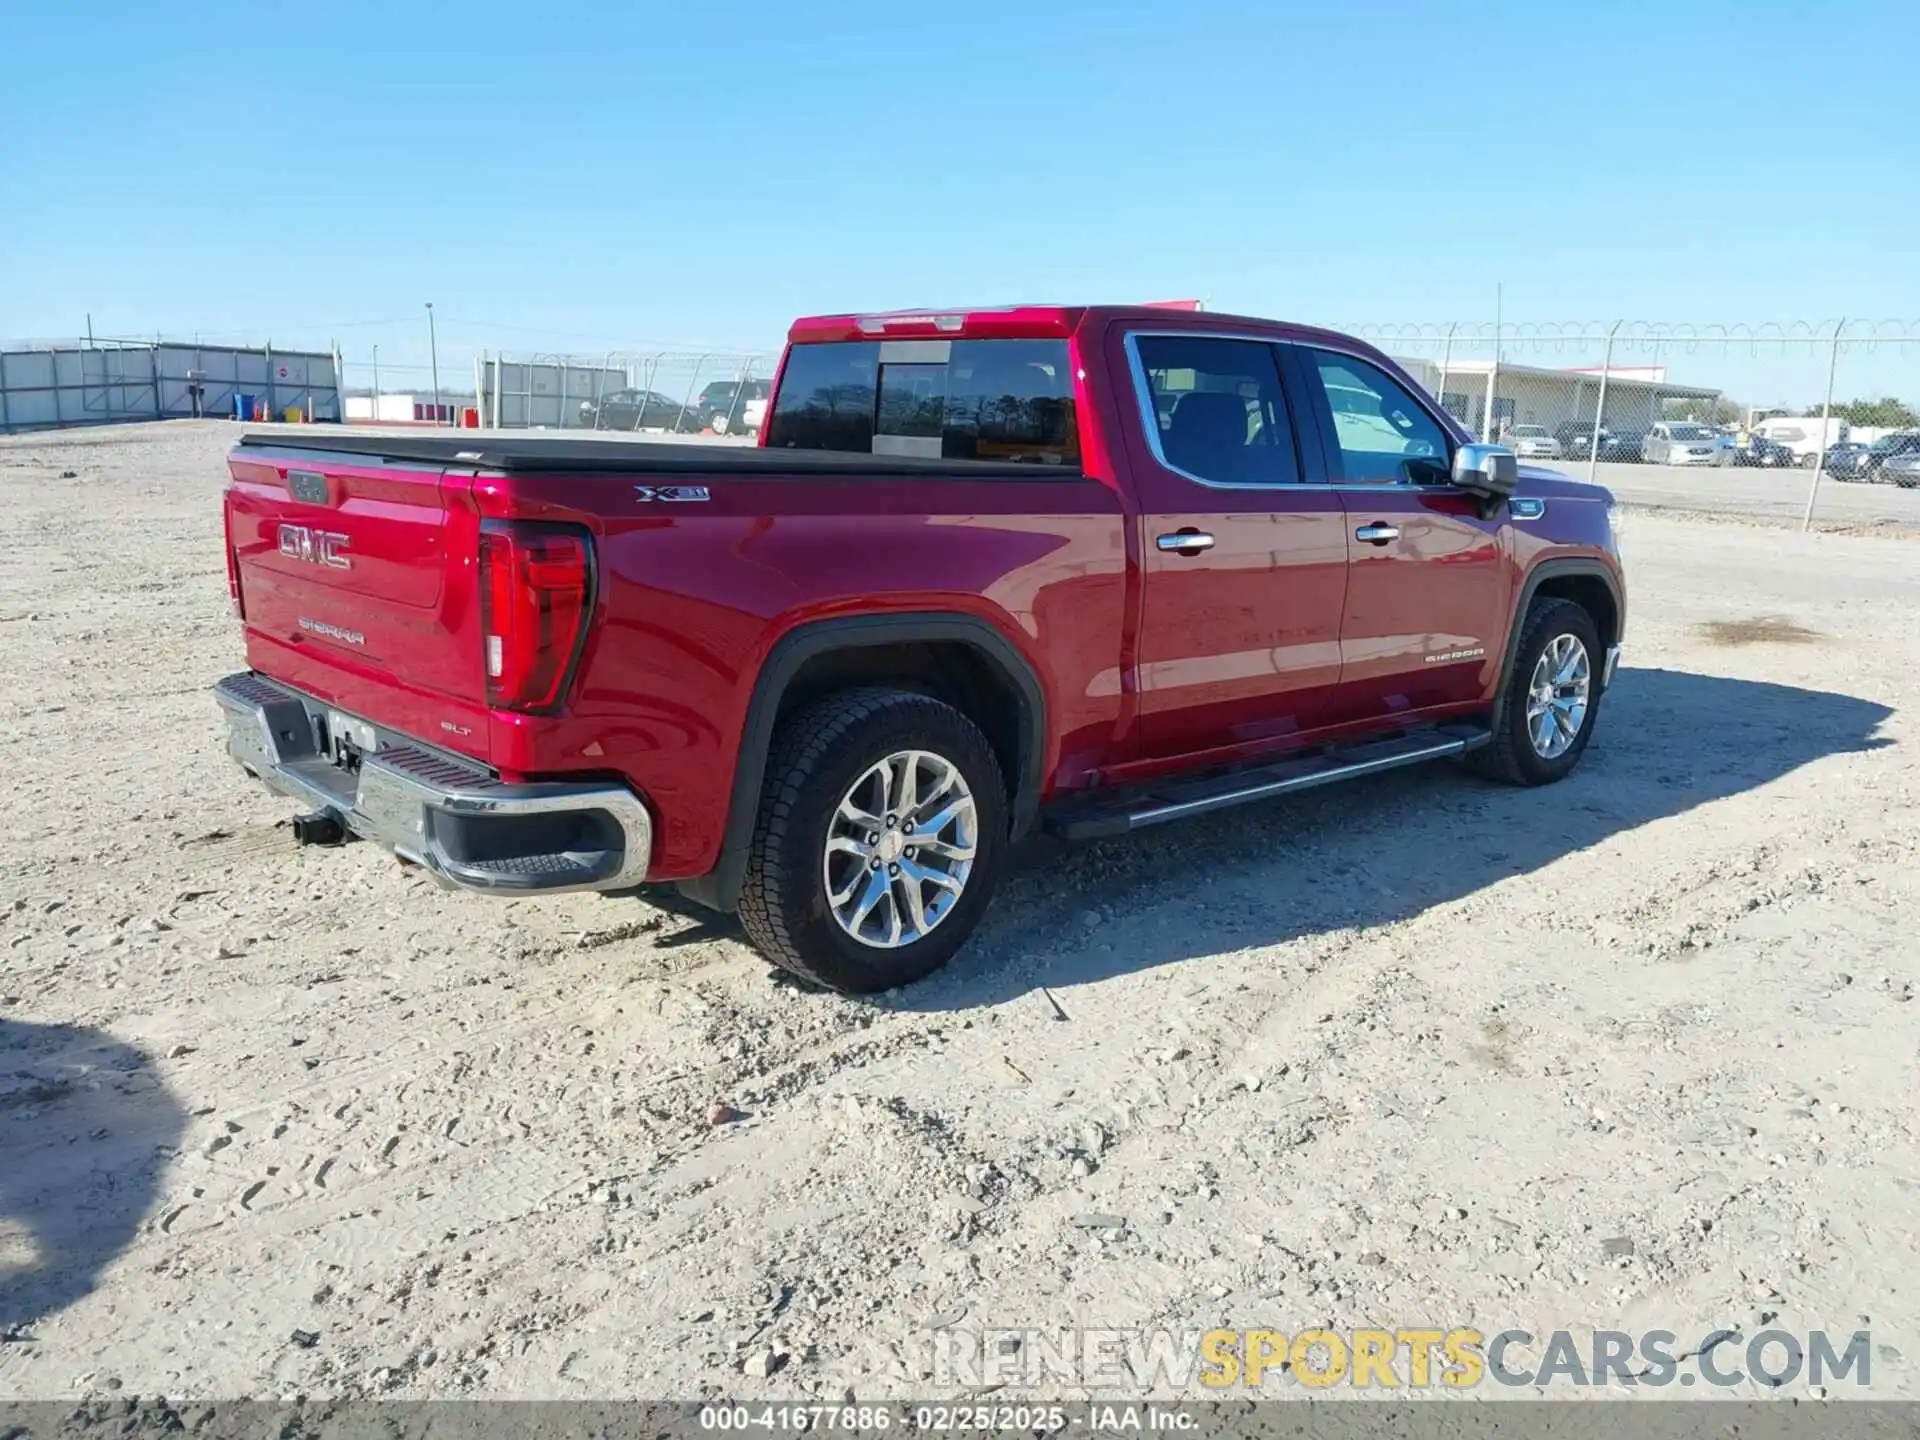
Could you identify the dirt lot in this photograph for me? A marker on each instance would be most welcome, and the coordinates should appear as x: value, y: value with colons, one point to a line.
x: 1754, y: 494
x: 1637, y: 1051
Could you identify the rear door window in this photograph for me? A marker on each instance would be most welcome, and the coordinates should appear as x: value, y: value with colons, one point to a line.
x: 1005, y: 400
x: 1219, y: 415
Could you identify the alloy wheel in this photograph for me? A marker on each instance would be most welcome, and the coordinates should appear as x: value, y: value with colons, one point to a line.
x: 899, y: 849
x: 1557, y: 697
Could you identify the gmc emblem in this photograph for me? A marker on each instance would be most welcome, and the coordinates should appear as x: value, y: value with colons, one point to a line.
x: 316, y: 547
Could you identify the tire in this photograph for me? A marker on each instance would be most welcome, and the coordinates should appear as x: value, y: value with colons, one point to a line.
x: 819, y: 756
x: 1512, y: 756
x: 719, y: 425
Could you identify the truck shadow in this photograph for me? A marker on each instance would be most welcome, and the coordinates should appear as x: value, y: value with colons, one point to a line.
x: 85, y: 1128
x: 1375, y: 851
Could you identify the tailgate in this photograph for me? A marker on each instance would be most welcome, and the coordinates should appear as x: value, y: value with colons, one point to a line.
x: 357, y: 579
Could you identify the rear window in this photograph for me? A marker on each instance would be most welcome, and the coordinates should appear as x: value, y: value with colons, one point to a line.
x: 1006, y: 400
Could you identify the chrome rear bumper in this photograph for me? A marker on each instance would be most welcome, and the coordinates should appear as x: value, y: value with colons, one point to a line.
x: 467, y: 828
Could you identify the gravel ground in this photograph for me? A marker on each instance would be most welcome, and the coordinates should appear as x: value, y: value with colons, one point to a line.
x: 1636, y: 1051
x: 1769, y: 495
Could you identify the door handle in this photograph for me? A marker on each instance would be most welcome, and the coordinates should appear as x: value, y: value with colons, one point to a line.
x: 1185, y: 542
x: 1377, y: 534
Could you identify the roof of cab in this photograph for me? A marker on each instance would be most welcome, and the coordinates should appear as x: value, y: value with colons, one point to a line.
x: 963, y: 322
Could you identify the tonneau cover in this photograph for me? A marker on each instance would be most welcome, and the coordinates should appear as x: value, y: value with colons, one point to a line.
x: 553, y: 454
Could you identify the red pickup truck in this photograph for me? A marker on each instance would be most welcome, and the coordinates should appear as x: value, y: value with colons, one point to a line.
x: 1083, y: 568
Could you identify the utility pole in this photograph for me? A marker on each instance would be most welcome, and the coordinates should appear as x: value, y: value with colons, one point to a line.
x: 433, y: 348
x: 376, y: 382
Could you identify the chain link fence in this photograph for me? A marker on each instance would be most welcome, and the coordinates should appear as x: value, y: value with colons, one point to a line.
x: 57, y: 384
x: 1625, y: 403
x: 1826, y: 400
x: 689, y: 392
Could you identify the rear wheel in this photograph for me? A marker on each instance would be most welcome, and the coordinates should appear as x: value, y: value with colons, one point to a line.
x: 878, y: 840
x: 1552, y: 698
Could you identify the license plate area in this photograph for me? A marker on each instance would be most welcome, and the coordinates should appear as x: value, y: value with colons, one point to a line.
x: 343, y: 739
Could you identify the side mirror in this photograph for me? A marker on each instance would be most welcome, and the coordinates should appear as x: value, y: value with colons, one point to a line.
x: 1489, y: 471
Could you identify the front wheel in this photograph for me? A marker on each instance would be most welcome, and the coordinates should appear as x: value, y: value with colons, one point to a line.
x: 1551, y: 701
x: 878, y: 840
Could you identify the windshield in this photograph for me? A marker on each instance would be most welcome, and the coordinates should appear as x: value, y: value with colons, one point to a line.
x: 1531, y: 432
x: 1690, y: 432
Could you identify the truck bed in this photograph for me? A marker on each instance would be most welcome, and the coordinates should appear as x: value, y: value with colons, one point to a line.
x: 533, y: 454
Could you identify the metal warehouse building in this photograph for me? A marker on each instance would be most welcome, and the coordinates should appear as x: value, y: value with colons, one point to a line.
x: 47, y: 387
x: 1535, y: 395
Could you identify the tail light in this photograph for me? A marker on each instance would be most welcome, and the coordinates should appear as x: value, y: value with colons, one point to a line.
x: 536, y: 587
x: 233, y: 568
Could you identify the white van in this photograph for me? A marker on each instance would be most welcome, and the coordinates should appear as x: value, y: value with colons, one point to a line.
x: 1801, y: 433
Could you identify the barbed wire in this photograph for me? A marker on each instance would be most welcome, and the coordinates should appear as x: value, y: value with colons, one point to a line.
x: 615, y: 359
x: 149, y: 342
x: 1682, y: 337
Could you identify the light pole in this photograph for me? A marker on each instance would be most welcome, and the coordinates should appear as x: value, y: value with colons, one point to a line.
x: 433, y: 349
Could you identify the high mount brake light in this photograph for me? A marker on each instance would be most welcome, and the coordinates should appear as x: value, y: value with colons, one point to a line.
x: 880, y: 324
x: 536, y: 589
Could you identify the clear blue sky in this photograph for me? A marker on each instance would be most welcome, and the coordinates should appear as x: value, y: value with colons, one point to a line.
x: 624, y: 174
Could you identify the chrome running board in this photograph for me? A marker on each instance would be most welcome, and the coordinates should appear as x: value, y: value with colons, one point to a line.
x: 1127, y: 811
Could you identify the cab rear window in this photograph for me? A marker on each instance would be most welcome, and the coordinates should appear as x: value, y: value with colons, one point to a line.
x: 1004, y: 400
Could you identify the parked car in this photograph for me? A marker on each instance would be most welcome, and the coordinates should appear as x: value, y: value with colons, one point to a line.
x: 1681, y: 442
x: 634, y: 410
x: 1532, y: 442
x: 1902, y: 470
x: 753, y: 412
x: 1756, y: 450
x: 833, y: 702
x: 1845, y: 461
x: 1623, y: 446
x: 1886, y: 448
x: 1576, y: 440
x: 726, y: 406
